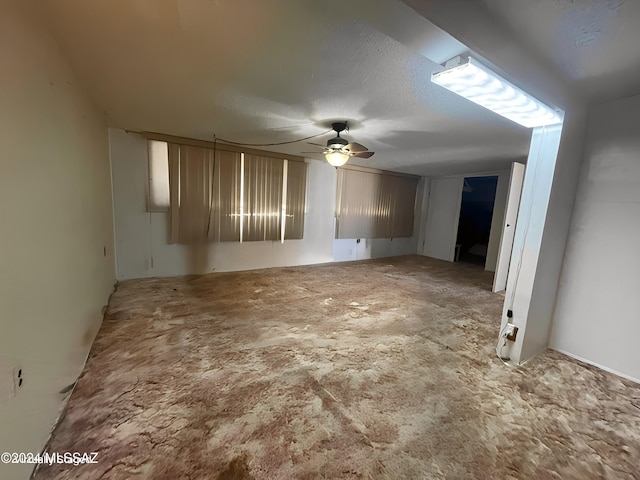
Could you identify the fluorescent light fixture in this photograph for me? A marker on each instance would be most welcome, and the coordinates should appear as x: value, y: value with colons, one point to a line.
x: 336, y: 158
x: 477, y: 83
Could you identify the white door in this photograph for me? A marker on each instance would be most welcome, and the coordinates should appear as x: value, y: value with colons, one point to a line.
x: 509, y: 227
x: 443, y: 214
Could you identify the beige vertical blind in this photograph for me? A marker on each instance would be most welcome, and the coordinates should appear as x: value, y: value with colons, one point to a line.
x: 191, y: 183
x: 375, y: 204
x: 225, y: 218
x: 223, y: 196
x: 262, y: 198
x: 296, y: 199
x: 401, y: 194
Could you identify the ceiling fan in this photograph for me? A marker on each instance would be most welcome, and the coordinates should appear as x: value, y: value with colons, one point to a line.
x: 338, y: 150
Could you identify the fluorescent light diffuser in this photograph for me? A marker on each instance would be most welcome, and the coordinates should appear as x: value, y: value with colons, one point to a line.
x: 483, y: 87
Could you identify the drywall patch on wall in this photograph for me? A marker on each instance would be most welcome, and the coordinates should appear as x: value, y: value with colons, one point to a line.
x: 57, y: 267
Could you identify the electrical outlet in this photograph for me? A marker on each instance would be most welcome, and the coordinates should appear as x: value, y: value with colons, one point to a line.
x: 511, y: 332
x: 17, y: 377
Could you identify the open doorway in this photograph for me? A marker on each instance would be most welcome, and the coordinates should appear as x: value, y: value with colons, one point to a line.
x: 476, y: 213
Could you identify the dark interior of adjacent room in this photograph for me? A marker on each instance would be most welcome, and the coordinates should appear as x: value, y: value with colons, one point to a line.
x: 476, y: 212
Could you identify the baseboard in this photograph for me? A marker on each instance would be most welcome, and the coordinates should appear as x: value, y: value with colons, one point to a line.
x: 601, y: 367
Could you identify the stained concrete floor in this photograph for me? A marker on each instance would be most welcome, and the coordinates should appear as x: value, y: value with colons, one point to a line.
x: 380, y: 369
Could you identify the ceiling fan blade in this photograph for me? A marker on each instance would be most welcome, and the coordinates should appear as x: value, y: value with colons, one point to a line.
x: 316, y: 144
x: 362, y: 154
x: 317, y: 153
x: 356, y: 147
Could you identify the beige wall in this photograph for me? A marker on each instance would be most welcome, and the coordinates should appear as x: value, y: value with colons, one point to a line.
x: 55, y: 227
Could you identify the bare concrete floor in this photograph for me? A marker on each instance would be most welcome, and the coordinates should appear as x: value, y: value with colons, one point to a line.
x: 380, y: 369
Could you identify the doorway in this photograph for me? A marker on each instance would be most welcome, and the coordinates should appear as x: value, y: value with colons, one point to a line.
x: 476, y: 213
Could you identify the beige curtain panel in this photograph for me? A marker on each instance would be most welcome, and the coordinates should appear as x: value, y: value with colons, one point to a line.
x: 226, y: 196
x: 374, y: 204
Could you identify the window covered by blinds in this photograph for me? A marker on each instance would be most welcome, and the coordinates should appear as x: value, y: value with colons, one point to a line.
x: 375, y: 204
x: 262, y: 195
x: 191, y: 192
x: 226, y: 220
x: 226, y: 196
x: 296, y: 193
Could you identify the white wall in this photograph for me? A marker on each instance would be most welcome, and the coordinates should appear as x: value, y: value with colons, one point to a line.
x: 141, y: 237
x: 56, y: 221
x: 347, y: 249
x: 525, y: 256
x: 597, y: 315
x: 443, y: 214
x: 556, y: 231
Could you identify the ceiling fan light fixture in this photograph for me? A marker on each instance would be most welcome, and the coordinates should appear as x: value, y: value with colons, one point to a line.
x: 337, y: 143
x: 339, y: 150
x: 336, y: 158
x: 473, y: 81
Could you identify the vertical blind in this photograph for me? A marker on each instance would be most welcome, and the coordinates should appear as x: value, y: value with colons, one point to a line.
x: 223, y: 196
x: 226, y: 219
x: 191, y: 192
x: 262, y: 198
x: 296, y: 193
x: 374, y: 204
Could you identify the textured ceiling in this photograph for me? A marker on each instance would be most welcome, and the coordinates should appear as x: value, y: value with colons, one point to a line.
x: 595, y: 44
x: 266, y: 71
